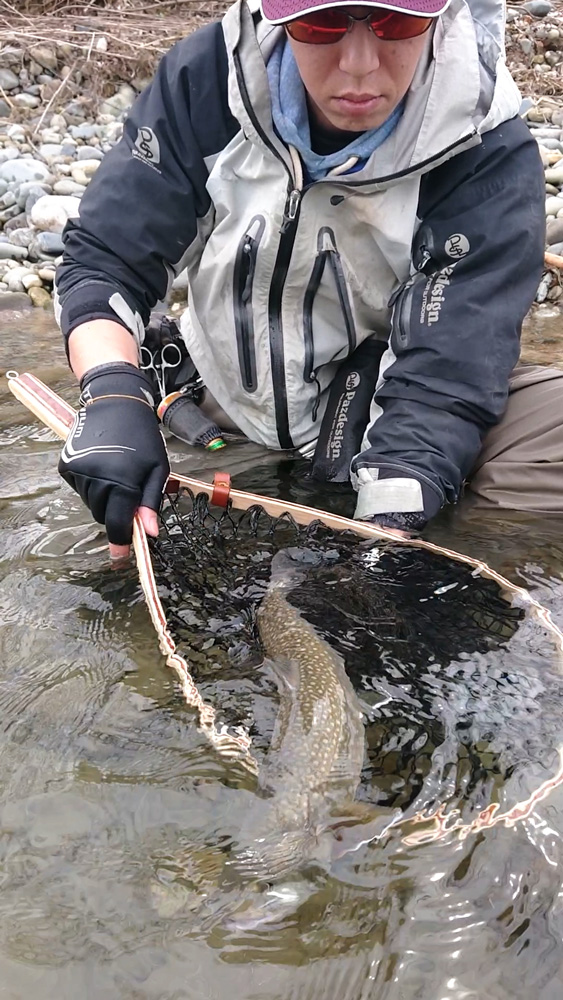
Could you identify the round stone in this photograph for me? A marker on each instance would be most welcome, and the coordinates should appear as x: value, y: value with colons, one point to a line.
x: 49, y: 151
x: 26, y: 101
x: 89, y: 153
x: 83, y: 131
x: 24, y: 170
x: 13, y: 281
x: 8, y: 80
x: 68, y: 187
x: 52, y: 212
x: 46, y: 55
x: 539, y: 8
x: 40, y: 297
x: 79, y: 177
x: 22, y: 237
x: 31, y: 281
x: 123, y: 99
x: 49, y: 243
x: 58, y: 122
x: 553, y: 205
x: 86, y: 168
x: 554, y: 231
x: 15, y: 302
x: 9, y: 251
x: 16, y: 222
x: 554, y: 175
x: 9, y: 153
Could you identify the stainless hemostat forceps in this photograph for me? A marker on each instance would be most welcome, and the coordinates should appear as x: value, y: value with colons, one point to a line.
x: 157, y: 362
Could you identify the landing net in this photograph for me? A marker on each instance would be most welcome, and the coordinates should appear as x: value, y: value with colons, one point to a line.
x: 459, y: 682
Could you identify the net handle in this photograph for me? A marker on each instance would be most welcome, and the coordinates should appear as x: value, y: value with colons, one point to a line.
x: 59, y: 416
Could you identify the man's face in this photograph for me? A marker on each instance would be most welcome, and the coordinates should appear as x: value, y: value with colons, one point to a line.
x: 356, y: 83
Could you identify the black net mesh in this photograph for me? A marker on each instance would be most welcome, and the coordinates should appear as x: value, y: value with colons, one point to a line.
x: 439, y: 656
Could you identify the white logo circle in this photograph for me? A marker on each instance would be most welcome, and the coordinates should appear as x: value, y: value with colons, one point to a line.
x: 457, y: 246
x: 353, y: 381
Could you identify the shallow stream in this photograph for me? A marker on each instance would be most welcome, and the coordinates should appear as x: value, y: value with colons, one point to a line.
x: 114, y: 810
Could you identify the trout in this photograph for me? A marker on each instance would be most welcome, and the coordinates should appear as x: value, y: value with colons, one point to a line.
x: 306, y: 810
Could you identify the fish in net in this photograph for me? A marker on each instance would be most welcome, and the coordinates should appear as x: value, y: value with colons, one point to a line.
x: 456, y: 673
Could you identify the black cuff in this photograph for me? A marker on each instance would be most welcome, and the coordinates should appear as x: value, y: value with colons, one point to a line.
x: 412, y: 521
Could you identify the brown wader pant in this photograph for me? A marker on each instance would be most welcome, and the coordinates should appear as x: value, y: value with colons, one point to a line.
x: 521, y: 463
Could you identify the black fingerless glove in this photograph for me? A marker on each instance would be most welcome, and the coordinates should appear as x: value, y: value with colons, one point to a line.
x: 114, y: 456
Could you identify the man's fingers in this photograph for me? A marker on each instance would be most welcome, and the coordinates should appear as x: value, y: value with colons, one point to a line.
x: 120, y: 510
x: 150, y: 524
x: 149, y: 520
x: 118, y: 552
x: 392, y: 531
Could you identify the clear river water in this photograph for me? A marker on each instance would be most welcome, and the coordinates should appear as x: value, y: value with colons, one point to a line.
x: 114, y: 811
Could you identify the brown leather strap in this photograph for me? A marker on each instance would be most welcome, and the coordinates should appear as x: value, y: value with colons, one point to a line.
x: 221, y: 489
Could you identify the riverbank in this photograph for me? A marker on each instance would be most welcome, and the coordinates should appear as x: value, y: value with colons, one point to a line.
x: 68, y: 79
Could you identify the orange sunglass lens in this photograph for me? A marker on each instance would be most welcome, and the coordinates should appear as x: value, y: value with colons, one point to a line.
x: 324, y: 27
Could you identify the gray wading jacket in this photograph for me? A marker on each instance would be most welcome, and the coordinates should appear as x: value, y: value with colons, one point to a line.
x: 434, y: 246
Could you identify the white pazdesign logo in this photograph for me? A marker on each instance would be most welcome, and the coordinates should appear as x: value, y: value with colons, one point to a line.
x: 457, y: 246
x: 353, y: 381
x: 147, y: 147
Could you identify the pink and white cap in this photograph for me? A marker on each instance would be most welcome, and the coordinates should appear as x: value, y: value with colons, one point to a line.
x: 279, y: 11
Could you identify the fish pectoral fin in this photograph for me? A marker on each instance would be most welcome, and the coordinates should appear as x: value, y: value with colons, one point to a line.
x: 286, y: 672
x: 360, y: 825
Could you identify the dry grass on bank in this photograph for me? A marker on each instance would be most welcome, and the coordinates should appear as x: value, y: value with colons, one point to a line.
x: 116, y: 35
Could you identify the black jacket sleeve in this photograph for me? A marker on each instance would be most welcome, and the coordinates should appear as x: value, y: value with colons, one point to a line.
x: 139, y: 215
x: 455, y: 338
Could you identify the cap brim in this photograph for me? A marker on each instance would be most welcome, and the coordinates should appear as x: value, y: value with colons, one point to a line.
x: 280, y: 11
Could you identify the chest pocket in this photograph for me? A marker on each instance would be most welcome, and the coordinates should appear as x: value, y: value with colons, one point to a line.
x: 327, y: 256
x: 243, y: 283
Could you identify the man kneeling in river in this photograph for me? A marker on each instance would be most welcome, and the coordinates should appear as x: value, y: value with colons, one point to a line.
x: 360, y: 211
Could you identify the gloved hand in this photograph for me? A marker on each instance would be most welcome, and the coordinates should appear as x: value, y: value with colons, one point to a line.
x: 115, y: 457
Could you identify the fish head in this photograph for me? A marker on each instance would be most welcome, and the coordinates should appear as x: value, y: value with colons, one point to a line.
x: 289, y: 566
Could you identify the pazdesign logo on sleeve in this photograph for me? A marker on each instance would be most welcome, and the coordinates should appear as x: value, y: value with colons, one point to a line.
x: 147, y: 147
x: 434, y: 295
x: 457, y: 246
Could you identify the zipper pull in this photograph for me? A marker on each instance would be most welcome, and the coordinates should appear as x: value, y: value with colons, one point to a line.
x: 313, y: 378
x: 425, y: 256
x: 291, y: 209
x: 247, y: 250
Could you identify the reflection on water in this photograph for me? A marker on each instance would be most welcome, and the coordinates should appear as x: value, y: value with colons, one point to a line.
x: 116, y: 815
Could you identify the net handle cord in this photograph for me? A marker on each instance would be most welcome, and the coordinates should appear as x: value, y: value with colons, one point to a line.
x: 58, y: 415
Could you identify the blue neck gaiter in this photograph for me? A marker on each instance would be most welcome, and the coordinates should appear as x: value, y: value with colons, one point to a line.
x: 291, y: 118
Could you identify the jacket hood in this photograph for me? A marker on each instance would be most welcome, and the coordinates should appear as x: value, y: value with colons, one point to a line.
x: 460, y: 90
